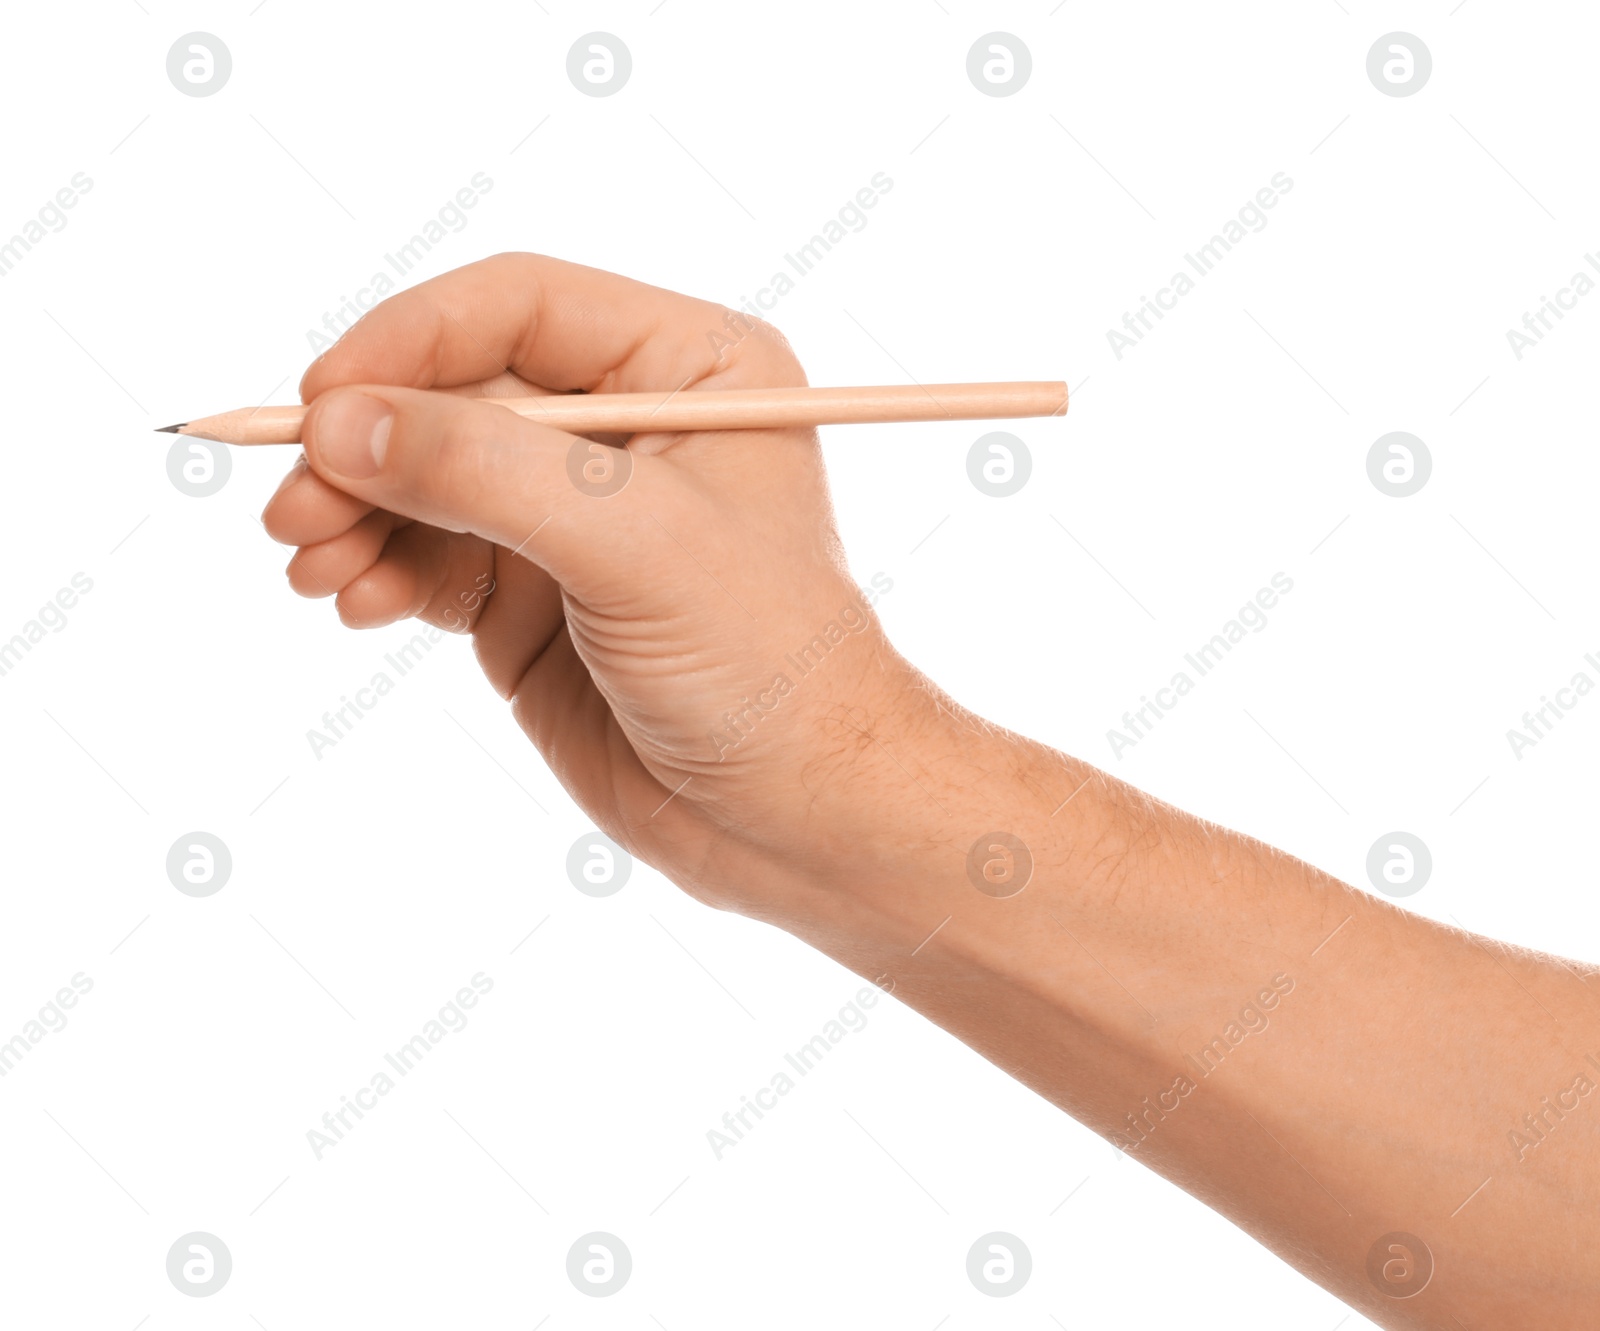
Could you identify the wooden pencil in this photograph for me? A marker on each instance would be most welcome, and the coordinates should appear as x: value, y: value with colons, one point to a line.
x: 719, y: 409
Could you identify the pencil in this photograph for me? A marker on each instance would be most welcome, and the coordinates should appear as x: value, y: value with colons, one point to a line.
x: 719, y: 409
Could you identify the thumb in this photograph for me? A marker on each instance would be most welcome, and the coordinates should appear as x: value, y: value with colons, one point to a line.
x: 472, y: 466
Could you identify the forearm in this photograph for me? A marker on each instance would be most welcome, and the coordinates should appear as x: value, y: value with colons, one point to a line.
x: 1322, y: 1068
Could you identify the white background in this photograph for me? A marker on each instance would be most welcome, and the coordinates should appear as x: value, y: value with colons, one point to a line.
x: 370, y: 884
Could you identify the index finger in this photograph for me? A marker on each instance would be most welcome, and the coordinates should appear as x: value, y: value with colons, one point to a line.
x: 560, y: 325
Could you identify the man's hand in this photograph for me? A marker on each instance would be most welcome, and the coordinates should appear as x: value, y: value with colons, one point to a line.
x: 672, y: 619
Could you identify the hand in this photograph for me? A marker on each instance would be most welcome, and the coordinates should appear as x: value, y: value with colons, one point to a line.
x: 651, y: 640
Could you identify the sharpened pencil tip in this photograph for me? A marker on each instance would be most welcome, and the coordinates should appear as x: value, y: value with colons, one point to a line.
x: 171, y: 429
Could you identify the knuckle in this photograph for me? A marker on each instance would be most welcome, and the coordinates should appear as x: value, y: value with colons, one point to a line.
x: 758, y: 350
x: 514, y: 266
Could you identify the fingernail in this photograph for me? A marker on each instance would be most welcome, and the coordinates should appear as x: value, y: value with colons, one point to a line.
x: 351, y: 434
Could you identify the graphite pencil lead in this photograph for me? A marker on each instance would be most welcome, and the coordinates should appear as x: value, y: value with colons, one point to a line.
x: 171, y: 429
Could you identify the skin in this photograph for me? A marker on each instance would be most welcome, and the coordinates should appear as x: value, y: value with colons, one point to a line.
x: 1367, y: 1067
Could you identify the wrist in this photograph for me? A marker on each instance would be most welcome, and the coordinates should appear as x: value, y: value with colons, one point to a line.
x: 925, y: 813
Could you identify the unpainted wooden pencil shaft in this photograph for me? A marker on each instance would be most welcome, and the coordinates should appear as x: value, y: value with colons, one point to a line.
x: 721, y: 409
